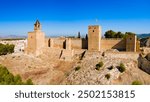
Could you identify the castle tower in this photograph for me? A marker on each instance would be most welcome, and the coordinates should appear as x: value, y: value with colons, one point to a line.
x: 94, y: 38
x: 36, y: 40
x: 37, y: 26
x: 131, y: 43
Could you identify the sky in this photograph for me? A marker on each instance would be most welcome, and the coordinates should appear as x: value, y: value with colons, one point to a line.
x: 68, y: 17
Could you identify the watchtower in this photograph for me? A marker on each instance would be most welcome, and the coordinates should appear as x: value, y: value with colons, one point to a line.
x: 36, y: 40
x: 131, y: 43
x: 94, y: 38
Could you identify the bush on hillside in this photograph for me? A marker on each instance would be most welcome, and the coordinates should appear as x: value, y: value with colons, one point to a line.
x: 77, y: 68
x: 99, y: 65
x: 6, y: 49
x: 136, y: 83
x: 121, y: 68
x: 7, y: 78
x: 111, y: 67
x: 107, y: 76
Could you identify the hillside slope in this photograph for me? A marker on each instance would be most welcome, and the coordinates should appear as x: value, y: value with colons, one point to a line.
x: 47, y: 69
x: 88, y: 75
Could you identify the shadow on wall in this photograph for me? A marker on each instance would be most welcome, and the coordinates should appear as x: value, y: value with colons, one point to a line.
x: 64, y: 44
x: 49, y: 42
x: 121, y: 46
x: 84, y: 44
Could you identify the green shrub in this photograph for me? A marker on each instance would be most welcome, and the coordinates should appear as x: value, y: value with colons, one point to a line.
x: 99, y: 65
x: 111, y: 67
x: 29, y: 82
x: 6, y: 49
x: 107, y: 76
x: 136, y: 83
x: 77, y: 68
x: 121, y: 68
x: 7, y: 78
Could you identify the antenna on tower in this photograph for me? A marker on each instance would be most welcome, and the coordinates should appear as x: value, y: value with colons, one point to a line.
x: 96, y: 20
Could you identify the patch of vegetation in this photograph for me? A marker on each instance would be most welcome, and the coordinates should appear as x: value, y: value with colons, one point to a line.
x: 137, y: 83
x: 99, y: 65
x: 67, y: 74
x: 77, y: 68
x: 107, y: 76
x: 121, y: 68
x: 113, y: 34
x: 6, y: 49
x: 111, y: 67
x: 7, y: 78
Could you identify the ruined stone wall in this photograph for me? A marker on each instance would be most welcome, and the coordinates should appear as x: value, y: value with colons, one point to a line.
x: 118, y: 44
x: 124, y: 55
x: 66, y: 43
x: 77, y: 43
x: 59, y: 43
x: 47, y: 43
x: 55, y: 43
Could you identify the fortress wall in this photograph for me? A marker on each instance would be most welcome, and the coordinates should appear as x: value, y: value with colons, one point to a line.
x: 124, y: 55
x: 58, y: 43
x: 52, y: 53
x: 84, y: 44
x: 47, y: 42
x: 119, y: 44
x: 78, y: 43
x: 79, y: 51
x: 67, y: 54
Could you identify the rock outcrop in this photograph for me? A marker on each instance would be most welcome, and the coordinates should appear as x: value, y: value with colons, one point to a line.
x: 145, y: 42
x: 144, y: 63
x: 53, y: 67
x: 88, y: 75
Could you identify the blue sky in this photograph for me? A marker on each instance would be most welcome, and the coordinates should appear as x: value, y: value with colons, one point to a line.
x: 67, y: 17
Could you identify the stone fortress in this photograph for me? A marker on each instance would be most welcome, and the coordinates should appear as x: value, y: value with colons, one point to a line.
x: 37, y: 42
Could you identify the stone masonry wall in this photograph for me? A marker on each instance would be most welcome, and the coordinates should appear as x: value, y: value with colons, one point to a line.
x: 118, y: 44
x: 124, y: 55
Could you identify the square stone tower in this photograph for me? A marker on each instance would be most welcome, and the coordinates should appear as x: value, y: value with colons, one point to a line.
x: 94, y: 38
x: 36, y: 40
x: 131, y: 43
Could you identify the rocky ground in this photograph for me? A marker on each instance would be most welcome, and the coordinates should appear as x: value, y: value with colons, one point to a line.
x: 45, y: 70
x: 40, y: 71
x: 48, y: 69
x: 145, y: 42
x: 88, y: 75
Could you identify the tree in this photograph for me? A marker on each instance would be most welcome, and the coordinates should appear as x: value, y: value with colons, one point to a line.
x: 86, y: 37
x: 6, y: 49
x: 79, y: 36
x: 29, y: 82
x: 119, y: 35
x: 128, y: 33
x: 110, y: 34
x: 7, y: 78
